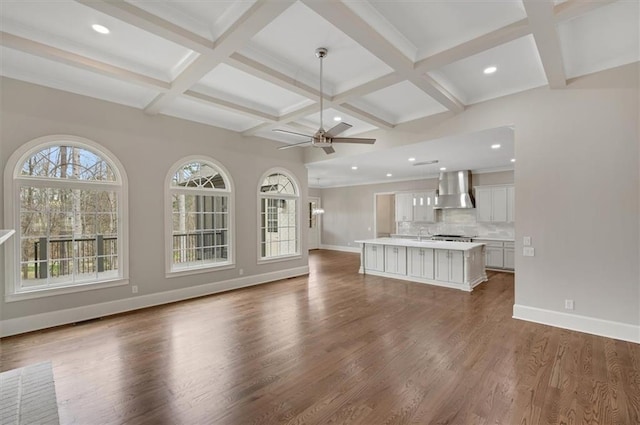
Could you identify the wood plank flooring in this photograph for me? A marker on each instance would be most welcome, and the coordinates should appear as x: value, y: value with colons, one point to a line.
x: 335, y: 347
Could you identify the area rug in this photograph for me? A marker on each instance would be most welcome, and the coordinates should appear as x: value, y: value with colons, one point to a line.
x: 28, y: 396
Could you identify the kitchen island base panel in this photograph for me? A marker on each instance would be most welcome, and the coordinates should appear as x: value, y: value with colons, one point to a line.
x: 468, y: 287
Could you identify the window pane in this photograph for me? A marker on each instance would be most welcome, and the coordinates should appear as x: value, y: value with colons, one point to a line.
x: 68, y: 162
x: 199, y: 175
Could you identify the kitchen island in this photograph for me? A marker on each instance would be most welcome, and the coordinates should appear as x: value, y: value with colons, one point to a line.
x: 458, y: 265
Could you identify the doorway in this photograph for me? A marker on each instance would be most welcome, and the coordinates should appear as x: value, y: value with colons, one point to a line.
x: 314, y: 223
x: 385, y: 213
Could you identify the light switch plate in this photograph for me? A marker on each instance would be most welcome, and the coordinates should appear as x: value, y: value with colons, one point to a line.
x: 526, y: 241
x: 528, y: 251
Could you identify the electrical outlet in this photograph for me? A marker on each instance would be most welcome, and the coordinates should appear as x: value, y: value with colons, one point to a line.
x: 568, y: 304
x: 368, y: 229
x: 240, y: 272
x: 134, y: 289
x: 526, y: 241
x: 528, y: 251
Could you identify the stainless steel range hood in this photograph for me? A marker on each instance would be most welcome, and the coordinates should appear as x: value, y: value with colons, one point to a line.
x: 454, y: 190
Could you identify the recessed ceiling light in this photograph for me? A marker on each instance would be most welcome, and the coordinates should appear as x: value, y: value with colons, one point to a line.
x: 496, y: 146
x: 100, y: 29
x: 389, y: 175
x: 412, y: 159
x: 443, y: 168
x: 513, y: 160
x: 337, y: 118
x: 354, y: 167
x: 490, y: 70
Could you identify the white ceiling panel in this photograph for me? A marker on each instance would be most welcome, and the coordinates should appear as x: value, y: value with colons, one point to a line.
x: 243, y: 88
x: 463, y: 152
x: 359, y: 126
x: 433, y: 26
x: 208, y: 19
x: 399, y: 103
x: 36, y: 70
x: 519, y: 68
x: 289, y: 42
x: 67, y: 25
x: 208, y: 114
x: 604, y: 38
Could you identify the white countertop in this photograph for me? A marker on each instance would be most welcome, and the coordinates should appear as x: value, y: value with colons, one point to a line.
x: 456, y: 246
x: 487, y: 238
x: 5, y: 234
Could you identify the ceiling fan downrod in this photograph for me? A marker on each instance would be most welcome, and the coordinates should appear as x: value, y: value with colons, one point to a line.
x: 321, y: 53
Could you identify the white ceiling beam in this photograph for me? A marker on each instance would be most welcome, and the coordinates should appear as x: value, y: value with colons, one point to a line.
x: 144, y: 20
x: 543, y: 28
x: 356, y: 28
x: 251, y: 22
x: 230, y: 106
x: 82, y: 62
x: 78, y: 61
x: 477, y: 45
x: 259, y: 70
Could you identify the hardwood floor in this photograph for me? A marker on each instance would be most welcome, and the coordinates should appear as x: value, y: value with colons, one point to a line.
x: 335, y: 347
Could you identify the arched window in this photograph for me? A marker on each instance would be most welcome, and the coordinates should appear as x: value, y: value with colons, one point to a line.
x: 279, y: 211
x: 200, y: 205
x: 68, y: 197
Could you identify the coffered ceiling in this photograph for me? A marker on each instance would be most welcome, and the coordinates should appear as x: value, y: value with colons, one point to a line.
x: 250, y: 66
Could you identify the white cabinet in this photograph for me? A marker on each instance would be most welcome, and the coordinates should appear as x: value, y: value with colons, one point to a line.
x: 404, y: 207
x: 449, y: 266
x: 498, y: 254
x: 420, y: 262
x: 511, y: 204
x: 495, y: 257
x: 423, y: 206
x: 509, y: 255
x: 494, y: 204
x: 374, y: 257
x: 395, y: 259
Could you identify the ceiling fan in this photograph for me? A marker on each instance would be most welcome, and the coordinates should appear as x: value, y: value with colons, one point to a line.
x: 325, y: 139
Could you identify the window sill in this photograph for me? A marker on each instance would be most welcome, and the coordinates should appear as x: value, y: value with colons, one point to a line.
x: 278, y: 259
x: 51, y: 292
x: 199, y: 270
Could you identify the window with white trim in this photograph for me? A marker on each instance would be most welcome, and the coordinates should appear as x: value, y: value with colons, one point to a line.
x: 279, y: 231
x: 68, y: 214
x: 201, y: 216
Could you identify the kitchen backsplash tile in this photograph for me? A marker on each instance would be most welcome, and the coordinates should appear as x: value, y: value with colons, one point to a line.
x: 459, y: 222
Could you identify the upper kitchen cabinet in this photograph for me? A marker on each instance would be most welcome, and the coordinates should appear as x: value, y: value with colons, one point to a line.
x: 495, y: 204
x: 404, y: 206
x: 423, y: 206
x: 416, y: 207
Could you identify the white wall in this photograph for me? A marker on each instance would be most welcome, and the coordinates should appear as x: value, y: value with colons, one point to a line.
x: 577, y: 196
x: 147, y: 146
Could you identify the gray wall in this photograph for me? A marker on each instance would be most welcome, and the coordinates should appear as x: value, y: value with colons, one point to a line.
x: 577, y: 191
x: 147, y: 146
x: 349, y: 211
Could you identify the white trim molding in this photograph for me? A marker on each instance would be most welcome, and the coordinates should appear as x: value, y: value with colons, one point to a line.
x: 353, y: 249
x: 77, y: 314
x: 575, y: 322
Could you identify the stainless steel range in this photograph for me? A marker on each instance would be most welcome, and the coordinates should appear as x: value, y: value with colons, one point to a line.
x: 452, y: 238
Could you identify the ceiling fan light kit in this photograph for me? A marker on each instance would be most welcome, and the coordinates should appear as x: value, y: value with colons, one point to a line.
x: 325, y: 139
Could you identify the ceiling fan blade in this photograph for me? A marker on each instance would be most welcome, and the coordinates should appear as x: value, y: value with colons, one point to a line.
x: 292, y: 132
x: 295, y: 145
x: 353, y: 140
x: 341, y: 127
x: 329, y: 150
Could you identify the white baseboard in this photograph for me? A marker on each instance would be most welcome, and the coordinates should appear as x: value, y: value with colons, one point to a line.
x: 354, y: 249
x: 62, y: 317
x: 574, y: 322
